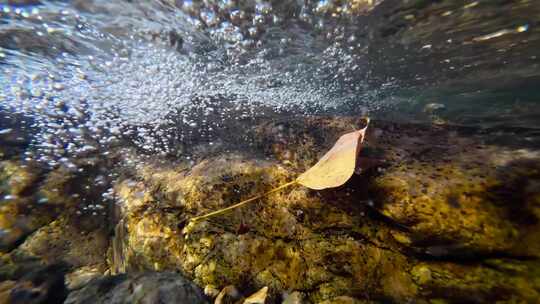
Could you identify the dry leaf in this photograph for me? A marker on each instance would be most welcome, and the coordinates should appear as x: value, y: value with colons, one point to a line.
x: 337, y: 165
x: 332, y: 170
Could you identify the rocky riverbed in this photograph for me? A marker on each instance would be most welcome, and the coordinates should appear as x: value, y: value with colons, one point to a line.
x: 435, y: 214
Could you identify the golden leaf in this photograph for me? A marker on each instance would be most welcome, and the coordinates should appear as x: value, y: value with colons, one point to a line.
x: 334, y: 169
x: 337, y: 165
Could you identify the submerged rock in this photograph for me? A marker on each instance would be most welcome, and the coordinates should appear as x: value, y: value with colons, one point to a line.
x: 44, y: 285
x: 420, y: 227
x: 42, y: 219
x: 228, y: 295
x: 83, y: 275
x: 151, y: 288
x: 458, y: 197
x: 73, y: 240
x: 435, y: 213
x: 345, y: 300
x: 293, y: 298
x: 20, y: 213
x: 48, y: 241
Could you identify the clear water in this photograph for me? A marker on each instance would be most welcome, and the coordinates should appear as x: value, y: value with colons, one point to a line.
x: 83, y: 76
x: 105, y: 68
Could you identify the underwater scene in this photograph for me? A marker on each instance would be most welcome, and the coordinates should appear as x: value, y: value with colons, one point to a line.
x: 269, y: 151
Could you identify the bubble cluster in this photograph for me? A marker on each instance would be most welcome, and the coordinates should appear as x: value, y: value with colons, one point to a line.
x: 183, y: 71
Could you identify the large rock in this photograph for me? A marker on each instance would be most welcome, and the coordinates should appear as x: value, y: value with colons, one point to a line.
x: 52, y: 217
x: 458, y: 196
x: 32, y: 197
x: 422, y: 226
x: 436, y: 213
x: 150, y: 288
x: 77, y: 241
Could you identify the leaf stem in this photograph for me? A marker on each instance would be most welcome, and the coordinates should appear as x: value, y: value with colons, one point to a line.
x: 220, y: 211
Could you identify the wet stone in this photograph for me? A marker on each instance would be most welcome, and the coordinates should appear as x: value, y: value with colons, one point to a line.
x: 39, y: 286
x: 474, y: 202
x: 383, y: 235
x: 149, y: 287
x: 68, y: 241
x: 20, y: 213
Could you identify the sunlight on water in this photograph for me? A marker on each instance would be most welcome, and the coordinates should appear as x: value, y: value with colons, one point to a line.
x: 83, y: 84
x: 91, y: 74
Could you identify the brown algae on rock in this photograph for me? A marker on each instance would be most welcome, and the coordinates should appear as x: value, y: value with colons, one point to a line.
x: 280, y: 250
x: 440, y: 218
x: 20, y: 210
x: 428, y: 206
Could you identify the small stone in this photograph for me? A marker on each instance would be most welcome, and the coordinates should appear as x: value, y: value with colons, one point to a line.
x: 211, y: 291
x: 229, y: 294
x: 421, y: 274
x: 257, y: 298
x: 150, y: 287
x: 295, y: 297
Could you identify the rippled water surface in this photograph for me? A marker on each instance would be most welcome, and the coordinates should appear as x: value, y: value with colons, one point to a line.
x: 103, y: 69
x: 169, y: 78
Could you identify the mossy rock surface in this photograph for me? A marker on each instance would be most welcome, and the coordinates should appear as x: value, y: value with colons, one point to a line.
x: 70, y: 239
x: 46, y: 220
x: 457, y: 196
x: 32, y: 196
x: 434, y: 215
x: 21, y: 211
x: 419, y: 226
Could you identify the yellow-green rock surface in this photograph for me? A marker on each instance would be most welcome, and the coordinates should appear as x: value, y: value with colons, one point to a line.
x: 20, y: 210
x: 437, y: 216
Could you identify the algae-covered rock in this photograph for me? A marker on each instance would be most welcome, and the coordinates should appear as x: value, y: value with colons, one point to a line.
x: 5, y: 290
x: 19, y: 218
x: 459, y: 197
x: 293, y: 239
x: 294, y: 297
x: 345, y: 300
x: 83, y: 275
x: 20, y: 210
x: 497, y: 280
x: 51, y: 218
x: 71, y: 239
x: 18, y: 179
x: 32, y: 197
x: 415, y: 227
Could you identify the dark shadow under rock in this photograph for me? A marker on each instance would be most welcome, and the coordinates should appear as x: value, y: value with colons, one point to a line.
x: 150, y: 288
x: 42, y: 285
